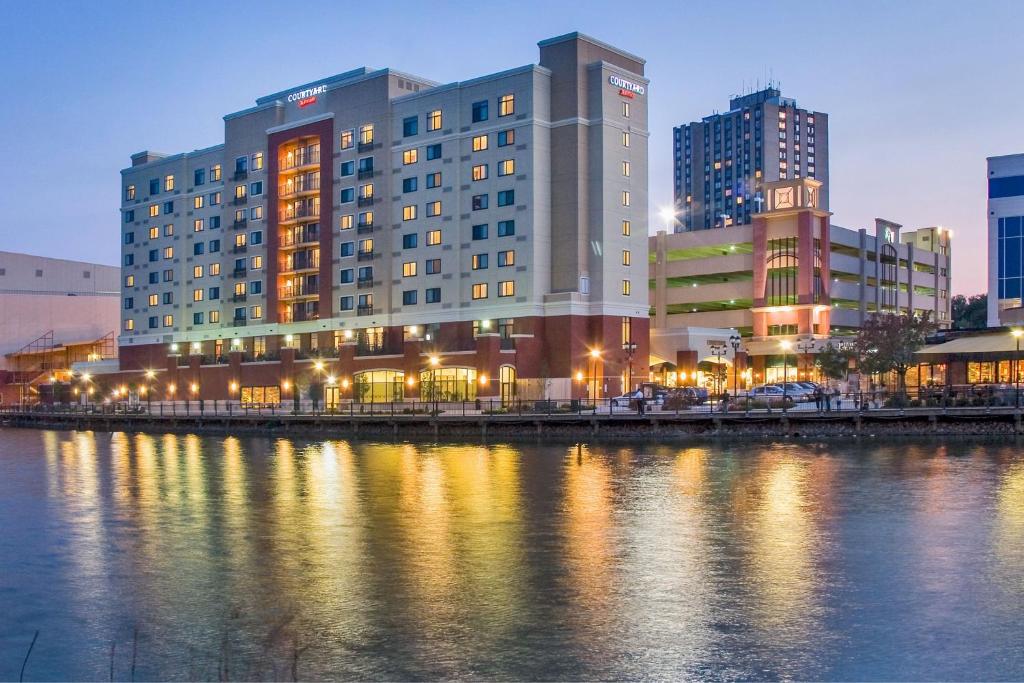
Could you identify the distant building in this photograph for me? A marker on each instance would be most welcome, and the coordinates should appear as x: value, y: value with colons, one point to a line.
x: 722, y: 162
x: 793, y: 276
x: 53, y: 313
x: 1005, y: 235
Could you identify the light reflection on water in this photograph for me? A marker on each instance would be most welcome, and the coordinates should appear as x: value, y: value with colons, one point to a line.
x: 403, y: 561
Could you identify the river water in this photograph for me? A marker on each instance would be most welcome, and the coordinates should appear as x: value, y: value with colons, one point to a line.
x: 212, y: 557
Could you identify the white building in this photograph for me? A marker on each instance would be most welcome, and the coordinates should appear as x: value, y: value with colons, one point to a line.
x: 1005, y: 234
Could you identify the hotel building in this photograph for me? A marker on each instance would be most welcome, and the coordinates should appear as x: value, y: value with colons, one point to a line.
x: 482, y: 236
x: 722, y: 162
x: 792, y: 275
x: 1005, y: 236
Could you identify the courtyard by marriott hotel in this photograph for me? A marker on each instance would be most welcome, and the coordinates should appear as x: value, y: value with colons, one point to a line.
x: 375, y: 231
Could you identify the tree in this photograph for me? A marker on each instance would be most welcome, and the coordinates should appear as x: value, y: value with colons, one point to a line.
x: 833, y: 362
x: 889, y: 343
x: 970, y: 313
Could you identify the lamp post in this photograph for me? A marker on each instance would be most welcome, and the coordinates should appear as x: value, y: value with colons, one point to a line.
x: 785, y: 345
x: 805, y: 347
x: 734, y: 341
x: 595, y: 354
x: 630, y: 348
x: 150, y: 375
x: 1017, y: 333
x: 318, y: 367
x: 718, y: 351
x: 434, y: 362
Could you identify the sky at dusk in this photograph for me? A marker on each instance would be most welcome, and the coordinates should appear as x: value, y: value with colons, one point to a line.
x: 918, y: 93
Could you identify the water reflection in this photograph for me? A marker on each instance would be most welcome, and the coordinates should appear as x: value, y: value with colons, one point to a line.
x: 423, y: 561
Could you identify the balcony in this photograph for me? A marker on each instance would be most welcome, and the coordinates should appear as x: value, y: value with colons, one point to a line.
x: 300, y: 158
x: 299, y: 186
x: 364, y: 228
x: 365, y: 201
x: 290, y: 240
x: 238, y: 273
x: 240, y: 174
x: 364, y: 283
x: 365, y: 256
x: 284, y: 293
x: 239, y: 249
x: 297, y: 316
x: 365, y: 174
x: 365, y: 146
x: 239, y: 201
x: 238, y: 298
x: 238, y: 322
x: 299, y: 265
x: 240, y: 224
x: 294, y: 214
x: 364, y: 310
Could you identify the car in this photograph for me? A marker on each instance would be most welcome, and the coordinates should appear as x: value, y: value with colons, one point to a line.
x: 797, y: 392
x: 766, y: 391
x: 627, y: 400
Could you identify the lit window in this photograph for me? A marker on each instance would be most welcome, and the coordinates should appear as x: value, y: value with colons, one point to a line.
x: 256, y: 262
x: 240, y: 191
x: 506, y: 138
x: 168, y: 321
x: 214, y: 316
x: 409, y: 269
x: 410, y: 156
x: 506, y: 258
x: 154, y: 210
x: 366, y: 134
x: 409, y: 213
x: 506, y: 167
x: 197, y: 225
x: 215, y: 172
x: 257, y: 161
x: 625, y: 168
x: 154, y: 299
x: 366, y: 191
x: 214, y: 268
x: 256, y: 312
x: 345, y: 223
x: 506, y: 105
x: 625, y: 287
x: 626, y: 227
x: 129, y: 281
x: 479, y: 143
x: 240, y: 239
x: 507, y: 288
x: 625, y: 139
x: 433, y: 238
x: 129, y: 193
x: 434, y: 179
x: 129, y: 324
x: 197, y: 294
x: 346, y: 139
x: 434, y: 208
x: 168, y: 252
x: 480, y: 172
x: 154, y: 232
x: 479, y: 261
x: 625, y: 197
x: 625, y: 109
x: 480, y: 290
x: 168, y: 183
x: 434, y: 120
x: 197, y: 271
x: 626, y: 257
x: 240, y: 289
x: 366, y: 246
x: 197, y: 202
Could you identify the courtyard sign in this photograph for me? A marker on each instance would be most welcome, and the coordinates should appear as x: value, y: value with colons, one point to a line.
x: 306, y: 97
x: 626, y: 88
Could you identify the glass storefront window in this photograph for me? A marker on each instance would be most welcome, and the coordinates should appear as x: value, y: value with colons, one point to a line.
x: 251, y: 396
x: 448, y: 384
x: 378, y: 386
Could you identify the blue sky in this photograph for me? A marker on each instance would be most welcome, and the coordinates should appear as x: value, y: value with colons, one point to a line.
x: 918, y: 93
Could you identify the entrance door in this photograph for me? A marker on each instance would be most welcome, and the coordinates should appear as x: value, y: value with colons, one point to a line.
x: 332, y: 398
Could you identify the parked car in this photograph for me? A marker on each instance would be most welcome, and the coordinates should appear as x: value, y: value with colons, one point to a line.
x: 797, y: 392
x: 627, y: 400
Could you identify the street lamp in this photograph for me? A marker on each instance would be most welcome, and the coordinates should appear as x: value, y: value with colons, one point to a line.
x: 718, y: 351
x: 434, y: 362
x: 1017, y: 333
x: 595, y: 355
x: 734, y: 341
x: 630, y: 348
x: 805, y: 347
x: 786, y: 346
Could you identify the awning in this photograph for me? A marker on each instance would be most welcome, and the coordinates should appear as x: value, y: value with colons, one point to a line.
x: 986, y: 343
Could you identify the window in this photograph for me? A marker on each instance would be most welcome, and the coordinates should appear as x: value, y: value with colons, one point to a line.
x: 410, y: 126
x: 347, y: 168
x: 241, y: 164
x: 197, y: 225
x: 214, y: 316
x: 214, y: 295
x: 240, y: 191
x: 129, y: 216
x: 129, y: 259
x: 129, y: 193
x: 257, y: 161
x: 506, y: 198
x: 197, y: 272
x: 480, y: 232
x: 410, y: 156
x: 434, y: 151
x: 197, y: 202
x: 366, y: 134
x: 154, y: 255
x: 434, y: 208
x: 480, y: 290
x: 154, y: 232
x: 409, y: 212
x: 506, y: 228
x: 625, y: 287
x: 409, y: 184
x: 154, y: 321
x: 256, y: 188
x: 409, y: 297
x: 197, y: 248
x: 345, y: 222
x: 256, y: 312
x: 346, y: 139
x: 256, y: 213
x: 348, y: 195
x: 409, y: 241
x: 168, y: 275
x: 506, y: 167
x: 347, y: 303
x: 240, y: 289
x: 479, y: 111
x: 479, y: 261
x: 480, y: 201
x: 626, y: 228
x: 348, y: 249
x: 154, y: 278
x: 214, y: 268
x: 506, y: 105
x: 169, y: 183
x: 214, y: 199
x: 240, y: 240
x: 433, y: 266
x: 366, y: 219
x: 154, y: 299
x: 347, y: 276
x: 479, y: 143
x: 366, y: 191
x: 365, y: 301
x: 215, y: 173
x: 432, y: 295
x: 129, y: 324
x: 625, y: 139
x: 154, y: 186
x: 168, y: 252
x: 168, y: 208
x: 506, y: 138
x: 129, y: 303
x: 168, y: 321
x: 197, y: 318
x: 240, y: 313
x: 256, y: 287
x: 409, y: 269
x: 625, y: 197
x: 434, y: 179
x: 625, y: 109
x: 433, y: 238
x: 129, y: 281
x: 506, y: 258
x: 154, y: 210
x: 129, y: 238
x: 214, y: 248
x: 480, y: 172
x: 168, y: 298
x: 507, y: 288
x: 256, y: 237
x: 434, y: 120
x: 625, y: 168
x: 197, y: 294
x: 366, y: 246
x: 626, y: 257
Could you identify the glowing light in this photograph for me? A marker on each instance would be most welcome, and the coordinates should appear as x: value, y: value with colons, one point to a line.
x: 485, y: 324
x: 483, y: 379
x: 331, y: 379
x: 288, y: 338
x: 347, y: 334
x: 344, y: 384
x: 236, y: 342
x: 86, y: 376
x: 286, y: 385
x: 233, y: 386
x: 579, y: 376
x: 434, y: 360
x: 410, y: 381
x: 413, y: 329
x: 142, y: 390
x: 53, y: 378
x: 174, y: 348
x: 318, y: 366
x: 667, y: 213
x: 194, y: 388
x: 196, y: 346
x: 786, y: 344
x: 1017, y: 332
x: 595, y: 353
x: 89, y: 391
x: 171, y: 388
x: 150, y: 374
